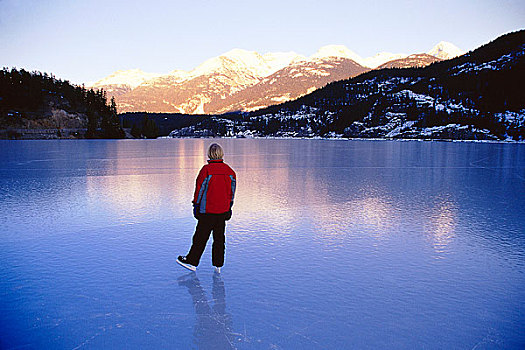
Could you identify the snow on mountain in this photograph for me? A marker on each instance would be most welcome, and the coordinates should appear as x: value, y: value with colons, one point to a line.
x: 381, y: 58
x: 178, y: 74
x: 221, y: 87
x: 209, y: 87
x: 416, y: 60
x: 295, y: 80
x: 343, y: 51
x: 250, y: 62
x: 500, y: 63
x: 475, y: 96
x: 131, y: 78
x: 279, y: 60
x: 336, y: 51
x: 445, y: 50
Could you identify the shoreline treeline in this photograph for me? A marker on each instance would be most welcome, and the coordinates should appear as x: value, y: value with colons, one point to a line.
x: 36, y: 100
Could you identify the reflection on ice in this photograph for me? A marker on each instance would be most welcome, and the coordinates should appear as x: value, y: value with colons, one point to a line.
x: 373, y: 214
x: 135, y: 183
x: 442, y: 225
x: 213, y: 325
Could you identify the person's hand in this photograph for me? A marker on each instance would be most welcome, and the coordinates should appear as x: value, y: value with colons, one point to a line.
x: 228, y: 215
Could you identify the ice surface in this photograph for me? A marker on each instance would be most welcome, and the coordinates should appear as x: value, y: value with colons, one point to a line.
x: 333, y: 244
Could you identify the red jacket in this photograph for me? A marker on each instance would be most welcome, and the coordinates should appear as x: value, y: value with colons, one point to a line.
x: 215, y: 188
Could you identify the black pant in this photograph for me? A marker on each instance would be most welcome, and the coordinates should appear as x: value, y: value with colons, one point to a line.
x: 208, y: 223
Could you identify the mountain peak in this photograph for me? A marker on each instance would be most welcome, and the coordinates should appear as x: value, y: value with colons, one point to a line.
x: 279, y: 60
x: 445, y: 50
x: 381, y: 58
x: 337, y: 51
x: 242, y: 55
x: 249, y: 61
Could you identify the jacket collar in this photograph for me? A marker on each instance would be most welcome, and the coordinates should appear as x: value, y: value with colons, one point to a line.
x: 215, y: 161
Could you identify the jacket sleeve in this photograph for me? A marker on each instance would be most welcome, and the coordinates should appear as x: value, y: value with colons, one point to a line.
x: 198, y: 184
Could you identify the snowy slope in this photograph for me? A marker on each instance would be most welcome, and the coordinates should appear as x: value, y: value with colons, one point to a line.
x: 343, y: 52
x: 131, y: 78
x: 291, y: 82
x: 250, y: 62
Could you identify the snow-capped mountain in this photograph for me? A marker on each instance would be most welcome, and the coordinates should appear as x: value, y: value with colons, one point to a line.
x: 196, y: 91
x: 131, y: 78
x: 123, y: 81
x: 339, y: 51
x: 445, y: 51
x: 249, y: 62
x: 381, y: 58
x: 244, y: 80
x: 417, y: 60
x: 342, y: 51
x: 476, y: 96
x: 293, y: 81
x: 442, y: 51
x: 226, y: 84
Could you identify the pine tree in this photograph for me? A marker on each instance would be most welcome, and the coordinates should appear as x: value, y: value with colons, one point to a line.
x: 150, y: 129
x: 111, y: 124
x: 136, y: 131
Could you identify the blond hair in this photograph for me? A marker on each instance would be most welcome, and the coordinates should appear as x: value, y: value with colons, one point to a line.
x: 215, y: 151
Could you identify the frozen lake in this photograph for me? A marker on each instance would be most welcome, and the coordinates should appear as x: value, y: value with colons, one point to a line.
x: 333, y: 244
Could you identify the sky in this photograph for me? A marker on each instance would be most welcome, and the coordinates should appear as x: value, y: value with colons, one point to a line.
x: 84, y: 41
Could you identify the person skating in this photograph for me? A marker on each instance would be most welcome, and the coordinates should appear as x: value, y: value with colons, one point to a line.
x: 212, y: 207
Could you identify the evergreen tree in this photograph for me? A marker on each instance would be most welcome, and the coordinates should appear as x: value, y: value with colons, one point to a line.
x: 110, y: 123
x: 136, y: 131
x: 150, y: 129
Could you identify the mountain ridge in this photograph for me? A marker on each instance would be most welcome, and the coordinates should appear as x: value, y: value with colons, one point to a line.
x: 473, y: 96
x: 216, y: 81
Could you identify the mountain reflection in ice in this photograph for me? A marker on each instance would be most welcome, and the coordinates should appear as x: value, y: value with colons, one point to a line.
x: 332, y: 244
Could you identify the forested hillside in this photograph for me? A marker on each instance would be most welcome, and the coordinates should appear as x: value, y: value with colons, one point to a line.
x: 33, y: 101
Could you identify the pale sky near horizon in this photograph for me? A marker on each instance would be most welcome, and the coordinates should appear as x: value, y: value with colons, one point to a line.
x: 83, y: 41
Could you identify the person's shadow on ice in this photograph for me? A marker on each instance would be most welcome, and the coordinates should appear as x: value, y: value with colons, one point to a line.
x: 213, y: 327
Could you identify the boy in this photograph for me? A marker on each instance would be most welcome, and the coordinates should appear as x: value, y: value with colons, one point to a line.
x: 212, y: 206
